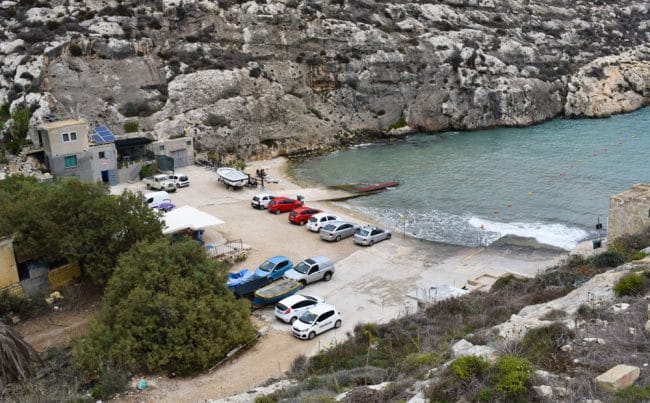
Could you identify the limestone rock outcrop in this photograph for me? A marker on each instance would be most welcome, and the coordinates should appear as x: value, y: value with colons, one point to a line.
x: 280, y: 76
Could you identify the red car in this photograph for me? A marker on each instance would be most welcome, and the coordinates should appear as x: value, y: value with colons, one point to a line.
x: 302, y: 214
x: 282, y: 205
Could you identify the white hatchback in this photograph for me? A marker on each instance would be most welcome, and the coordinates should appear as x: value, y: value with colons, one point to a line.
x: 317, y: 221
x: 316, y: 320
x: 290, y: 308
x: 261, y: 200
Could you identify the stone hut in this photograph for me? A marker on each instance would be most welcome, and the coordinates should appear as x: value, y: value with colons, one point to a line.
x: 629, y: 211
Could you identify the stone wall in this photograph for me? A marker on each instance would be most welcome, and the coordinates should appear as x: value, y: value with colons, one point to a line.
x: 629, y: 211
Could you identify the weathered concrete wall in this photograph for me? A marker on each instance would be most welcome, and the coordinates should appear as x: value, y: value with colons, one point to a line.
x: 8, y: 267
x: 629, y: 211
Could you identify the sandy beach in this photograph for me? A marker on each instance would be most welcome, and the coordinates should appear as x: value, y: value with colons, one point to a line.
x: 370, y: 284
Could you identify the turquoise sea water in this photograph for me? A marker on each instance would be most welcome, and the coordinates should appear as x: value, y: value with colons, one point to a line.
x: 551, y: 181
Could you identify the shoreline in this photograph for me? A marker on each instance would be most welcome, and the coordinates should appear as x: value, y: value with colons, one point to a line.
x: 370, y: 284
x: 506, y: 239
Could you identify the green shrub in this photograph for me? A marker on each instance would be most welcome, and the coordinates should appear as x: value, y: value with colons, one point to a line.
x: 23, y: 306
x: 265, y: 399
x: 111, y: 381
x: 630, y: 284
x: 131, y: 126
x: 586, y: 311
x: 610, y: 258
x: 468, y: 367
x: 514, y: 376
x: 166, y: 308
x: 398, y: 125
x: 633, y: 394
x: 638, y: 255
x: 542, y: 345
x: 75, y: 49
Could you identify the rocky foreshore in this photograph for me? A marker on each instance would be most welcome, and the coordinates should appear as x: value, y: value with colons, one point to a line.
x: 269, y: 78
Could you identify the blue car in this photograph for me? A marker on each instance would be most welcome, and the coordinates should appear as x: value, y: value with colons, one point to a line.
x: 274, y: 268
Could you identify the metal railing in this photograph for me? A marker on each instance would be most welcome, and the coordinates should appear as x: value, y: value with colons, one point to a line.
x: 223, y: 249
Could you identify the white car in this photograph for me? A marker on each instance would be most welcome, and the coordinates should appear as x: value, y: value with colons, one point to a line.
x: 316, y: 320
x: 290, y: 308
x: 261, y: 200
x: 317, y: 221
x: 179, y: 179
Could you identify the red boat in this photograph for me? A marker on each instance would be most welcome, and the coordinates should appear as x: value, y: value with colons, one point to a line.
x: 366, y: 188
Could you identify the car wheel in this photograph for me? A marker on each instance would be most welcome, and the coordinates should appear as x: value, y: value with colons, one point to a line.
x: 148, y: 186
x: 372, y: 242
x: 312, y: 335
x: 388, y: 236
x: 277, y: 212
x: 304, y: 283
x: 337, y: 324
x: 292, y: 320
x: 302, y: 223
x: 338, y: 238
x: 327, y: 276
x: 318, y: 230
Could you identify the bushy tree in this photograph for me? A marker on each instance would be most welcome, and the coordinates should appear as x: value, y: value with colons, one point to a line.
x: 76, y: 221
x: 166, y: 308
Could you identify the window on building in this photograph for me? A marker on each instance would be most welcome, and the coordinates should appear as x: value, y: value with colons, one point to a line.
x: 70, y: 161
x: 189, y: 142
x: 67, y: 137
x: 102, y: 155
x: 162, y: 147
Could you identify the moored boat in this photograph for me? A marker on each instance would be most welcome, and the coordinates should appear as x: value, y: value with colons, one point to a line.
x: 275, y: 292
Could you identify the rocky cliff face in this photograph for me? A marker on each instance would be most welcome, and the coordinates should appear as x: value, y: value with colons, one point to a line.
x: 273, y: 77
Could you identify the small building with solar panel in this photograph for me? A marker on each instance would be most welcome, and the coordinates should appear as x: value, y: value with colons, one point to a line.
x: 71, y: 148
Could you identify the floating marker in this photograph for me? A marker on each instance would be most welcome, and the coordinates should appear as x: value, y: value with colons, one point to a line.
x: 530, y: 193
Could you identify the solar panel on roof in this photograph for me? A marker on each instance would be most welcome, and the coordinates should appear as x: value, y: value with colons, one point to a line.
x: 102, y: 135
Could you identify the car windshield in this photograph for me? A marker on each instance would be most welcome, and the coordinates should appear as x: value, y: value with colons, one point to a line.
x: 256, y: 198
x: 362, y: 232
x: 313, y: 219
x: 329, y: 227
x: 183, y: 178
x: 308, y: 318
x: 267, y: 266
x: 302, y: 268
x: 281, y: 307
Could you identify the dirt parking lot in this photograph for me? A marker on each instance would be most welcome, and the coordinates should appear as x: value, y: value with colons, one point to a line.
x: 370, y: 284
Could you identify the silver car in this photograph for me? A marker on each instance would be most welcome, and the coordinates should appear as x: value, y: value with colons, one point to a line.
x: 370, y: 235
x: 312, y: 269
x: 337, y: 230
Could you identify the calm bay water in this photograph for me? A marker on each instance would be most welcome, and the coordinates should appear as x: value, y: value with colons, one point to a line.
x: 551, y: 181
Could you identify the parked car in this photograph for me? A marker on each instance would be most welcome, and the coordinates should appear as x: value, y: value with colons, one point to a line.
x: 155, y: 199
x: 337, y: 230
x: 291, y: 308
x: 166, y: 206
x: 179, y: 179
x: 160, y: 182
x: 312, y: 269
x: 282, y: 205
x: 274, y: 268
x: 316, y: 320
x: 301, y: 215
x: 370, y: 235
x: 261, y: 200
x: 316, y: 222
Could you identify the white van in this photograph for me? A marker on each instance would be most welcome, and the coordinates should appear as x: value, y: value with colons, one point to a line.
x: 153, y: 199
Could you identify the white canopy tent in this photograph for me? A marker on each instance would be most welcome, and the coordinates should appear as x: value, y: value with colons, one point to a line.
x: 187, y: 217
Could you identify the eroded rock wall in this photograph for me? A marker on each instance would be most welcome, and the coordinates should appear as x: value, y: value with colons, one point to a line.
x: 280, y: 76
